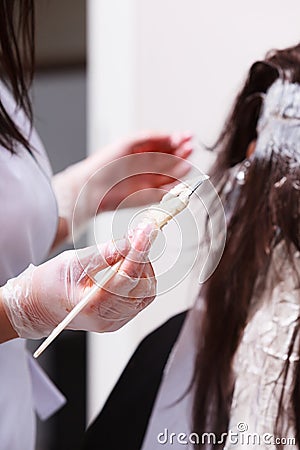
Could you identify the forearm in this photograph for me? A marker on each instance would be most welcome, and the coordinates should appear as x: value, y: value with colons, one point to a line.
x: 62, y: 233
x: 67, y: 186
x: 6, y: 330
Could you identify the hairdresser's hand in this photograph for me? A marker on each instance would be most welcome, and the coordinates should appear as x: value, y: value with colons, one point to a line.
x: 154, y: 161
x: 119, y: 170
x: 38, y: 299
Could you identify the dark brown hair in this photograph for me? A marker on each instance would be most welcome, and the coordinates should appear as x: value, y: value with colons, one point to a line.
x: 16, y: 64
x: 262, y: 216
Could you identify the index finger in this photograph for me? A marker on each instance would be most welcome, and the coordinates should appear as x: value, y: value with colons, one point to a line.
x: 135, y: 261
x: 160, y: 142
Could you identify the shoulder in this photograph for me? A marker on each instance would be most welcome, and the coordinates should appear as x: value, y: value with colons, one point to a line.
x: 21, y: 120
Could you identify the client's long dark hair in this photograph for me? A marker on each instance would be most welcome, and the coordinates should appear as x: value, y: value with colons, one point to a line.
x: 262, y: 216
x: 16, y: 64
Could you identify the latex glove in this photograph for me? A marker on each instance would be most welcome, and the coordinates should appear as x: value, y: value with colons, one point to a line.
x: 97, y: 175
x: 38, y: 299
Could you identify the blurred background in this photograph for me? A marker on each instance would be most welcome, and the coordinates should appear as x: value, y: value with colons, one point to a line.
x: 59, y: 97
x: 105, y: 69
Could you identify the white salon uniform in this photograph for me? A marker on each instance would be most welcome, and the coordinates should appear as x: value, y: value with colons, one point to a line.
x: 28, y: 223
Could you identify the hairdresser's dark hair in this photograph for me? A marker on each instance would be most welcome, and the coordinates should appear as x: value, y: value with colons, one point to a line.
x: 16, y: 65
x: 262, y: 217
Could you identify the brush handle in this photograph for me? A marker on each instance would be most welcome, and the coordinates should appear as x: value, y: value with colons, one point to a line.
x: 110, y: 272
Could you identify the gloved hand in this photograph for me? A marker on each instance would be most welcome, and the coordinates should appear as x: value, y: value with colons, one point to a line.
x: 38, y: 299
x: 150, y: 157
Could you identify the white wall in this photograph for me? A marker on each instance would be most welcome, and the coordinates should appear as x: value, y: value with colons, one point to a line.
x: 169, y: 65
x: 193, y: 54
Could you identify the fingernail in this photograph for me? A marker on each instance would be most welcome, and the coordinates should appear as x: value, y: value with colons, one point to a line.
x: 175, y: 139
x: 143, y: 237
x: 187, y: 147
x: 187, y: 135
x: 150, y: 229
